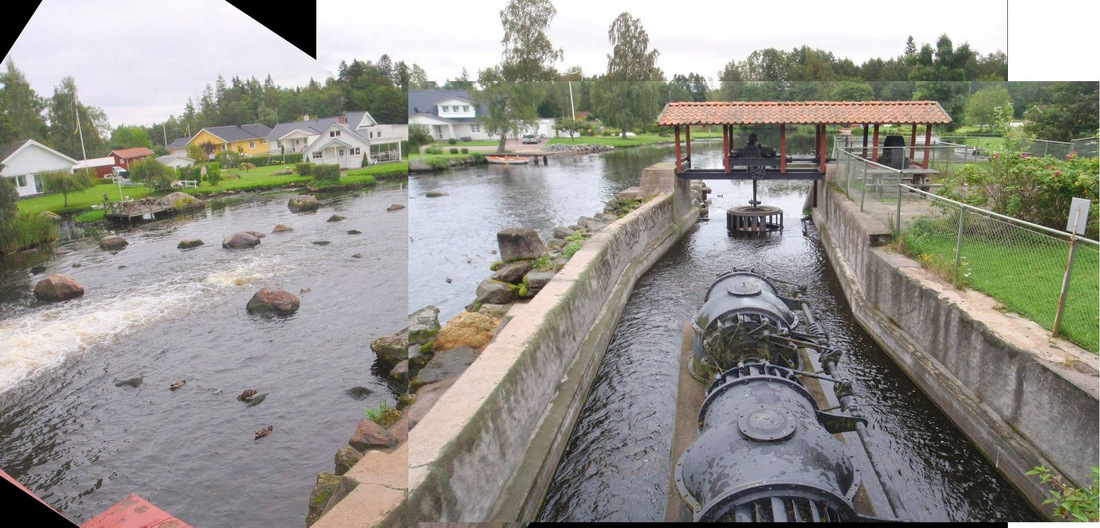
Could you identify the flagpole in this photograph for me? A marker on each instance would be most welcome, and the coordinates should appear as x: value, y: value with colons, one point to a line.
x: 79, y: 131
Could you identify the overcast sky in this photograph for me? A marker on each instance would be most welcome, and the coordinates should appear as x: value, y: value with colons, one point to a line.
x: 140, y: 60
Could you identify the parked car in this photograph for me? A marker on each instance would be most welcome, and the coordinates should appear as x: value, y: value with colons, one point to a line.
x: 530, y: 139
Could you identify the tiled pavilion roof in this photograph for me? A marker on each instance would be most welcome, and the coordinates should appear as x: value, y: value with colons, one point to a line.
x: 803, y: 113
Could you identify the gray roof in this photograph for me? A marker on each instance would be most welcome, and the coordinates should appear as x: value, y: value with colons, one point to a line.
x: 233, y: 133
x: 315, y: 126
x: 423, y: 101
x: 10, y: 148
x: 179, y: 143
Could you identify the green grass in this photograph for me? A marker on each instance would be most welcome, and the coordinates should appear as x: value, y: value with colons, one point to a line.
x: 27, y: 230
x: 444, y: 155
x: 480, y: 143
x: 91, y: 216
x: 80, y: 201
x: 1025, y: 275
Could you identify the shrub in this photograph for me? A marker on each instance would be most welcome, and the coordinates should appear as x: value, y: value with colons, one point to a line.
x: 465, y: 150
x: 1071, y: 503
x: 478, y: 158
x: 190, y: 173
x: 152, y: 173
x: 433, y: 150
x: 326, y: 173
x: 247, y: 166
x: 26, y: 230
x: 454, y: 150
x: 438, y: 163
x: 303, y: 169
x: 213, y: 173
x: 452, y: 141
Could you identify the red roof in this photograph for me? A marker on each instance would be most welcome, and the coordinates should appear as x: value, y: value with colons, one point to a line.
x: 803, y: 113
x: 131, y: 153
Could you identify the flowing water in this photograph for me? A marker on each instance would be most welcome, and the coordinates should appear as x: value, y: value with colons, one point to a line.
x: 617, y: 461
x: 80, y: 440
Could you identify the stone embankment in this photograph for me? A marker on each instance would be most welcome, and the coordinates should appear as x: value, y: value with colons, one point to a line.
x: 527, y: 347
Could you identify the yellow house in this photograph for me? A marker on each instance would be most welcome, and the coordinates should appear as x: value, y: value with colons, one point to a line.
x: 248, y: 139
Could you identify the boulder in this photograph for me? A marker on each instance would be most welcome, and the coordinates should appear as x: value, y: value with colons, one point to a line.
x: 336, y: 218
x: 519, y: 243
x: 474, y: 330
x: 305, y: 202
x: 113, y: 243
x: 426, y: 398
x: 354, y: 232
x: 179, y: 201
x: 496, y: 311
x: 628, y: 194
x: 370, y: 435
x: 392, y: 349
x: 435, y: 194
x: 240, y: 240
x: 446, y: 365
x: 57, y: 287
x: 273, y: 301
x: 555, y: 243
x: 321, y: 242
x: 423, y: 325
x: 400, y: 372
x: 591, y: 224
x: 513, y: 272
x: 189, y: 243
x: 346, y: 457
x: 495, y: 292
x: 395, y: 207
x: 607, y: 217
x: 256, y: 234
x: 536, y: 280
x: 562, y: 232
x: 328, y: 491
x: 280, y: 228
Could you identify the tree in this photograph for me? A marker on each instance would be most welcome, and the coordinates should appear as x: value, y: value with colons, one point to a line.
x: 626, y: 104
x: 152, y: 173
x: 1071, y: 114
x: 692, y: 83
x: 512, y: 107
x: 981, y: 108
x: 70, y: 120
x: 130, y: 136
x: 570, y: 126
x: 630, y: 58
x: 418, y: 136
x: 528, y: 54
x: 20, y: 108
x: 68, y: 182
x: 197, y: 152
x: 852, y: 91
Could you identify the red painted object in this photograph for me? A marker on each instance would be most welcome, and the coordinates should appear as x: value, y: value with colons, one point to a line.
x: 135, y: 512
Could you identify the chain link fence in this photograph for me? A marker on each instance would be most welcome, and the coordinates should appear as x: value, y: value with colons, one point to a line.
x: 1019, y: 264
x: 983, y: 145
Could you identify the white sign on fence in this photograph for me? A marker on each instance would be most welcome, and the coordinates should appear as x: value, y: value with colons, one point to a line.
x: 1079, y: 213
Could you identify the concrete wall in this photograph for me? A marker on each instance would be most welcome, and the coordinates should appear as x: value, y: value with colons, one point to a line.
x: 1023, y: 398
x: 487, y: 449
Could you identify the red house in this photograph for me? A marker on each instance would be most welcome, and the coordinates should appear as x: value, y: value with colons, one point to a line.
x: 126, y: 157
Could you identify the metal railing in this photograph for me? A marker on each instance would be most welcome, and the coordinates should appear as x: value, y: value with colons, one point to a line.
x: 1084, y: 147
x: 1019, y: 264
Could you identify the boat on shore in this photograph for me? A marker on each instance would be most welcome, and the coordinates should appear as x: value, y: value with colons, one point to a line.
x: 508, y: 160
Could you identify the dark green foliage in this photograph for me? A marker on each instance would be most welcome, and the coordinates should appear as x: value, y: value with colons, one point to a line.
x: 326, y: 173
x: 464, y: 150
x: 26, y: 230
x: 452, y: 141
x: 1073, y: 112
x: 453, y: 150
x: 303, y: 169
x: 67, y: 182
x: 213, y: 173
x: 191, y: 173
x: 418, y: 136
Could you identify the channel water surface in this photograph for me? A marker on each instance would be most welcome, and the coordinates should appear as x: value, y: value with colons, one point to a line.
x: 81, y: 440
x: 617, y: 462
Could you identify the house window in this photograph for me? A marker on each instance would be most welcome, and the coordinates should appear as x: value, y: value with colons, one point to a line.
x: 251, y: 144
x: 465, y: 108
x: 340, y: 152
x: 355, y: 151
x: 475, y: 128
x: 371, y: 134
x: 333, y: 133
x: 379, y: 133
x: 21, y: 181
x: 317, y: 154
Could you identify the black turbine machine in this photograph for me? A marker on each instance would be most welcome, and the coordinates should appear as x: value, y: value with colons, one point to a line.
x: 765, y: 450
x: 754, y: 218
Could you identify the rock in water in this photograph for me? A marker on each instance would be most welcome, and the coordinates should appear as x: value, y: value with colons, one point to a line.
x: 305, y: 202
x: 359, y: 392
x: 354, y: 232
x: 113, y: 243
x: 395, y: 207
x: 321, y: 242
x: 189, y: 243
x: 273, y: 301
x: 132, y: 382
x: 57, y: 287
x: 240, y: 240
x: 519, y: 243
x: 280, y: 228
x: 337, y: 218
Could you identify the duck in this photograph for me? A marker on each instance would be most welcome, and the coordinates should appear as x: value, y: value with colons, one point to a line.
x: 305, y: 290
x: 177, y: 384
x: 264, y: 432
x: 246, y: 395
x: 449, y: 280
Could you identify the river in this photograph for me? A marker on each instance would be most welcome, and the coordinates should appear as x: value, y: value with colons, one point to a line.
x: 616, y: 464
x: 80, y: 441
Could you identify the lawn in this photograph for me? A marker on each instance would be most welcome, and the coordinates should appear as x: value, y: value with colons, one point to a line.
x: 480, y: 143
x: 444, y: 155
x: 1024, y: 274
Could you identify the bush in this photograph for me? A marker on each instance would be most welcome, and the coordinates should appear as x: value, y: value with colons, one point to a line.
x: 213, y: 173
x: 1070, y: 503
x: 465, y: 150
x: 190, y: 173
x: 478, y: 158
x: 433, y: 150
x: 152, y: 173
x: 303, y: 169
x: 452, y: 141
x: 454, y: 150
x: 438, y: 163
x: 26, y: 230
x: 326, y: 173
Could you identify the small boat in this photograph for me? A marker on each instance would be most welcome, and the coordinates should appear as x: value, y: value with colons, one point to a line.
x: 508, y: 160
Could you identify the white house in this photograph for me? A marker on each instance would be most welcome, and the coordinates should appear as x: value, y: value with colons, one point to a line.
x: 338, y: 145
x: 26, y: 161
x: 176, y: 162
x: 383, y: 140
x: 447, y: 114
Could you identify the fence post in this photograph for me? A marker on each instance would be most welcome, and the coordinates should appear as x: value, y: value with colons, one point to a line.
x: 1065, y: 279
x: 897, y: 224
x: 863, y: 186
x: 959, y: 241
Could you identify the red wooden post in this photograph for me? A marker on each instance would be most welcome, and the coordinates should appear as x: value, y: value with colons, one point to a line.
x: 927, y: 141
x: 687, y: 140
x: 676, y: 133
x: 865, y: 140
x: 726, y: 148
x: 874, y: 147
x: 913, y: 142
x: 782, y: 149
